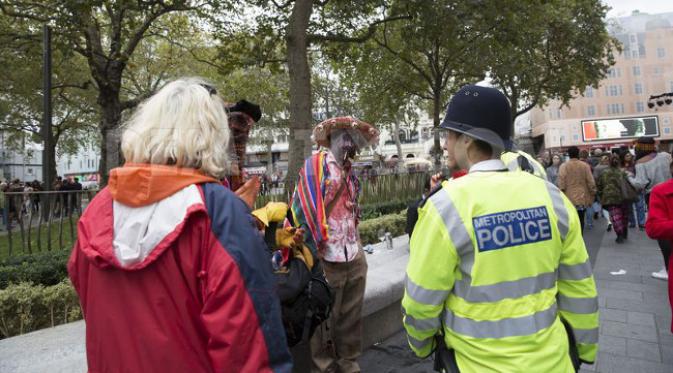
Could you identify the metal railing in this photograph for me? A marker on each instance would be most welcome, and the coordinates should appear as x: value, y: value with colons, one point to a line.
x: 41, y: 221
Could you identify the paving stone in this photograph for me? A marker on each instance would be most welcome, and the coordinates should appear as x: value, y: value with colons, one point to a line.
x: 622, y: 294
x: 636, y: 279
x: 647, y: 288
x: 643, y: 350
x: 640, y: 318
x: 612, y: 345
x: 639, y: 332
x: 609, y: 363
x: 608, y: 314
x: 667, y: 353
x: 637, y: 306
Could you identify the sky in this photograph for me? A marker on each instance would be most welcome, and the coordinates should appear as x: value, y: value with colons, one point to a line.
x: 621, y: 8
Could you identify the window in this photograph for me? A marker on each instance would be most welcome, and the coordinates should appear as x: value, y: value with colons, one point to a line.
x: 667, y: 130
x: 640, y: 107
x: 658, y: 70
x: 661, y: 52
x: 615, y: 108
x: 636, y: 70
x: 633, y: 38
x: 589, y: 92
x: 612, y: 72
x: 639, y: 89
x: 613, y: 90
x: 576, y: 137
x: 634, y: 54
x: 591, y: 110
x: 671, y: 83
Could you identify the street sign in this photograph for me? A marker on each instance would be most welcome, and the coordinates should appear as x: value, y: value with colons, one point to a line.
x: 620, y: 128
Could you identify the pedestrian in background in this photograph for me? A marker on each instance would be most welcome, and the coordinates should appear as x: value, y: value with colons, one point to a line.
x: 596, y: 209
x: 637, y: 213
x: 412, y: 209
x: 171, y: 273
x: 577, y: 182
x: 611, y: 198
x: 553, y: 169
x: 652, y: 169
x: 659, y: 225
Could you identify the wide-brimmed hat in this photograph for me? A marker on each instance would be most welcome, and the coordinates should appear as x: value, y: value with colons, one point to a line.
x: 482, y: 113
x: 369, y: 135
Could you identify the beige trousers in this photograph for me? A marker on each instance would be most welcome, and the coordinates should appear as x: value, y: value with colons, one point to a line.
x: 337, y: 343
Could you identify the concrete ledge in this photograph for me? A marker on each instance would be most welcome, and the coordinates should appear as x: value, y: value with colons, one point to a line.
x: 62, y: 349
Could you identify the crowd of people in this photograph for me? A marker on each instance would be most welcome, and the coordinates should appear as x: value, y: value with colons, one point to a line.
x: 21, y: 199
x: 170, y: 255
x: 613, y: 185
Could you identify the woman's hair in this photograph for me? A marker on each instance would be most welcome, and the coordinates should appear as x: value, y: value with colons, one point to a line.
x: 615, y: 161
x: 184, y: 124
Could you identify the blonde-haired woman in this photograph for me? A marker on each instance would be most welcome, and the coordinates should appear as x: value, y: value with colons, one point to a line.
x: 170, y: 272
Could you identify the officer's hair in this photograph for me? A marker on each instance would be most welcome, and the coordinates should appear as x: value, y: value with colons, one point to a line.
x: 483, y: 147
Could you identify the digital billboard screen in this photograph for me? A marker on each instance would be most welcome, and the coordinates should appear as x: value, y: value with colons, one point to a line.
x: 620, y: 128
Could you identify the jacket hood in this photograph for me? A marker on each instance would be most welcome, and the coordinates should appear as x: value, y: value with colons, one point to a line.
x: 139, y: 215
x: 143, y: 184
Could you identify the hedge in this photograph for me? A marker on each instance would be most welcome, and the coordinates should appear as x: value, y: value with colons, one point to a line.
x: 26, y: 307
x: 48, y: 268
x: 375, y: 210
x: 393, y: 223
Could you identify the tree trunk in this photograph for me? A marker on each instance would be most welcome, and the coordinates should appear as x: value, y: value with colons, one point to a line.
x: 111, y: 113
x: 269, y: 158
x: 436, y: 111
x: 300, y: 89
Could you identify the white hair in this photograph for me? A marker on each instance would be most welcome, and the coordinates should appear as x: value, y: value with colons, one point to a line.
x: 184, y: 124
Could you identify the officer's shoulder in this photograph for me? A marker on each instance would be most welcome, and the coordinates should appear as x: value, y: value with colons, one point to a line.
x: 443, y: 190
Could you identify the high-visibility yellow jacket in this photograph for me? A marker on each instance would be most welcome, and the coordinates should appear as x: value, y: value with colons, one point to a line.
x: 518, y: 160
x: 496, y: 260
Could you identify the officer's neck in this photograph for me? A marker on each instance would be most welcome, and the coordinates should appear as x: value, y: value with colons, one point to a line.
x: 476, y: 157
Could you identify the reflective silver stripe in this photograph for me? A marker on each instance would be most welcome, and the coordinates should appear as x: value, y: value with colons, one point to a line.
x: 456, y: 228
x: 587, y: 336
x: 422, y: 324
x: 536, y: 166
x: 575, y: 271
x: 503, y: 290
x: 510, y: 327
x: 559, y: 209
x: 577, y: 305
x: 419, y: 345
x: 423, y: 295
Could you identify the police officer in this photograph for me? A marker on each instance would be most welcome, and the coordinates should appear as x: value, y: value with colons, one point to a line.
x: 497, y: 264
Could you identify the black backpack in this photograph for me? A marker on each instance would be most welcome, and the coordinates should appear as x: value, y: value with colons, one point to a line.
x: 305, y: 296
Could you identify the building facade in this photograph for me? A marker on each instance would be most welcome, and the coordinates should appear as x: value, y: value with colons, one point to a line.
x: 617, y: 112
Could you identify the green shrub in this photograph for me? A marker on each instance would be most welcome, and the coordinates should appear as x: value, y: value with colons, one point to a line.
x: 384, y: 208
x: 48, y: 268
x: 26, y: 307
x: 393, y: 223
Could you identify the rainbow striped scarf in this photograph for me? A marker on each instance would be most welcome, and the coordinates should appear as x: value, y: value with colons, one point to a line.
x: 308, y: 207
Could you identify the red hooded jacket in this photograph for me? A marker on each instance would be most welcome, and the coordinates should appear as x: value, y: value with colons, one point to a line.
x: 659, y: 223
x: 172, y: 277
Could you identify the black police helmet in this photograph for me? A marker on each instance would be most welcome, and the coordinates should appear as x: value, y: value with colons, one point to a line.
x: 482, y: 113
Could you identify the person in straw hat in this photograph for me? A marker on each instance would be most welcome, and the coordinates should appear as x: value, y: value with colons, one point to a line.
x: 325, y: 204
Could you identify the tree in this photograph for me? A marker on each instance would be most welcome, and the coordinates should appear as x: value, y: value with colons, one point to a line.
x: 288, y: 29
x: 549, y: 51
x: 107, y: 33
x: 441, y: 55
x: 21, y: 95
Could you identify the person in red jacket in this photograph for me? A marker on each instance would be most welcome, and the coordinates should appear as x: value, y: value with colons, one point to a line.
x: 172, y: 275
x: 659, y: 224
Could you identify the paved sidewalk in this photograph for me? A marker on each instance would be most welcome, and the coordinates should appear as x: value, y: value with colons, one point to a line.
x: 635, y: 314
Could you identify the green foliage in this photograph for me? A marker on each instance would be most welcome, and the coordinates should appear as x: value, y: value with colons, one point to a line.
x: 393, y: 223
x: 47, y: 268
x: 372, y: 211
x: 26, y: 307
